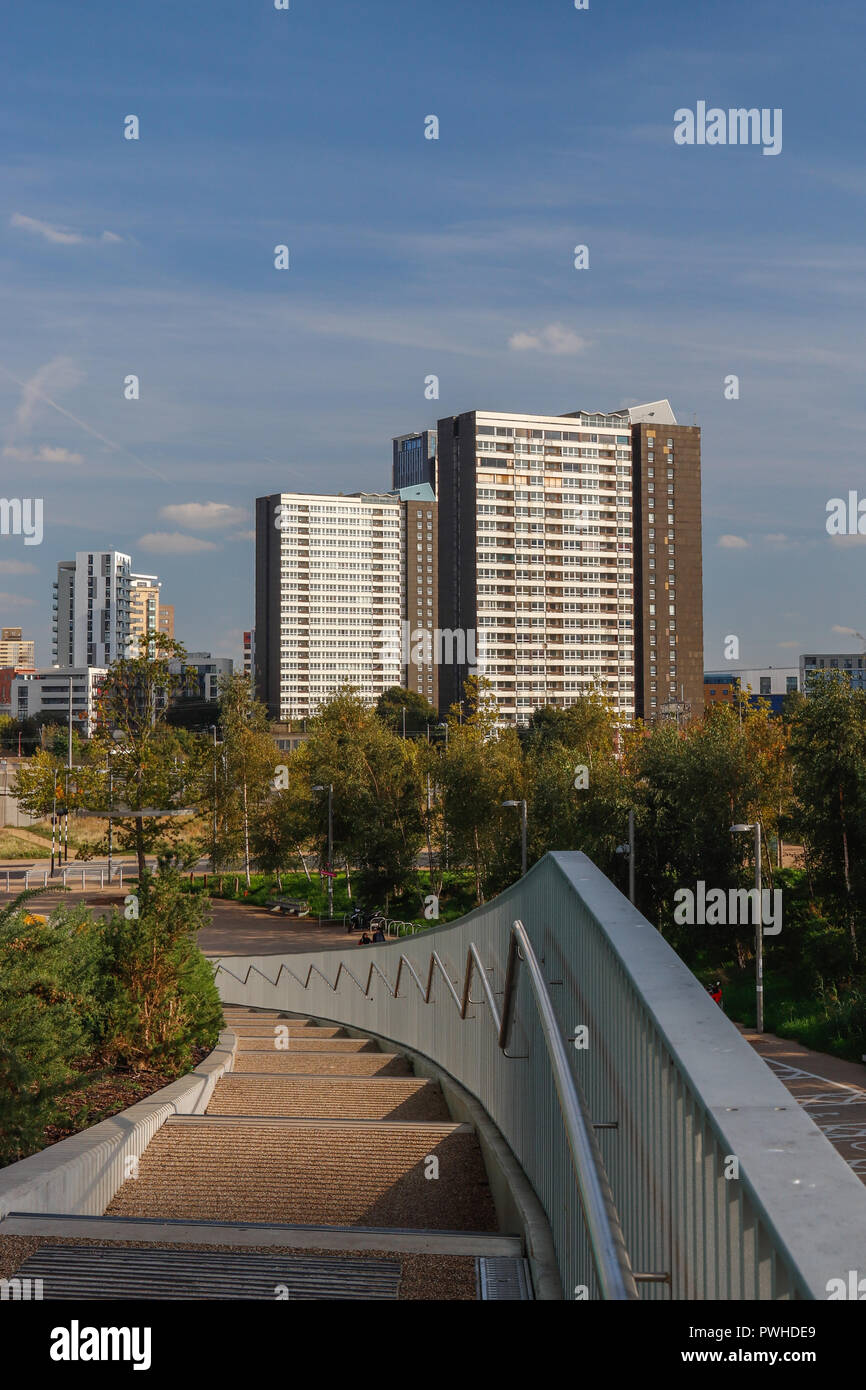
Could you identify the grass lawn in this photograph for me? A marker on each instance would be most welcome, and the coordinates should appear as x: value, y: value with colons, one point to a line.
x: 455, y: 900
x: 826, y: 1020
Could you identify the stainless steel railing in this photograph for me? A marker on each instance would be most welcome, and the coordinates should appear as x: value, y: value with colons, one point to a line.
x: 611, y: 1263
x: 722, y: 1187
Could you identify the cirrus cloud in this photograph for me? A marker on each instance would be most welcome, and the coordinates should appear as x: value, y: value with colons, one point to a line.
x: 58, y: 236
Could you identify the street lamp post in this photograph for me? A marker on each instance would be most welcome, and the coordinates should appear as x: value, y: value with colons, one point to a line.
x: 522, y: 805
x: 330, y: 790
x: 628, y: 850
x: 213, y: 851
x: 110, y: 821
x: 759, y: 926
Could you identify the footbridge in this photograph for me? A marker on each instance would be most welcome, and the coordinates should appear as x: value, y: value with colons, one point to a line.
x: 633, y: 1140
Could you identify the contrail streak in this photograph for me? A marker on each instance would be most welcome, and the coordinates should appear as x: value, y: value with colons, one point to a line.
x: 82, y: 424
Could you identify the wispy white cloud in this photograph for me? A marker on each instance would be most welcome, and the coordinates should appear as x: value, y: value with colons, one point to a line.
x: 46, y: 453
x: 17, y: 567
x: 173, y: 543
x: 60, y: 374
x: 13, y: 600
x: 555, y: 338
x: 732, y: 543
x: 203, y: 516
x: 58, y: 236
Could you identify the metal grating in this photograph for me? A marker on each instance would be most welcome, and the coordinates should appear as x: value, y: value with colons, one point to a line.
x: 76, y: 1272
x: 500, y: 1278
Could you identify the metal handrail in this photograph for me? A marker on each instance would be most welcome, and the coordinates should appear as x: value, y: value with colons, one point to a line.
x: 607, y: 1242
x: 609, y: 1254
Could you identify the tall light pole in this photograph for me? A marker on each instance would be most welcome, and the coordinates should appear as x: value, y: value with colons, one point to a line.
x: 330, y: 790
x: 759, y: 926
x: 213, y: 850
x: 110, y: 808
x: 522, y: 805
x: 628, y: 850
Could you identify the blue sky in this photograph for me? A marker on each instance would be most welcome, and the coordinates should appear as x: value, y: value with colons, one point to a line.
x: 413, y: 256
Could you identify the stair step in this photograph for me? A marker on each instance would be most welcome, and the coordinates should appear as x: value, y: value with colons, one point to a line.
x: 391, y: 1098
x: 281, y: 1027
x: 324, y: 1172
x: 301, y: 1043
x: 250, y: 1123
x: 158, y: 1231
x: 298, y: 1063
x: 103, y: 1272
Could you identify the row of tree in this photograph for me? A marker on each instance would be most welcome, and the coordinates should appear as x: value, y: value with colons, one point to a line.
x: 230, y: 795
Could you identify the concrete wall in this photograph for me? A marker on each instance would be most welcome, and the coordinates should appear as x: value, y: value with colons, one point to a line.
x: 80, y: 1175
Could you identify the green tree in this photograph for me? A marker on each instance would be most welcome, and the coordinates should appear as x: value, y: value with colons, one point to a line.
x: 158, y: 992
x: 419, y: 712
x: 828, y: 748
x: 249, y: 767
x: 49, y: 1016
x: 148, y: 765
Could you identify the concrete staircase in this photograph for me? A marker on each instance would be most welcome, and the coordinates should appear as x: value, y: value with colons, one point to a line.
x: 316, y: 1143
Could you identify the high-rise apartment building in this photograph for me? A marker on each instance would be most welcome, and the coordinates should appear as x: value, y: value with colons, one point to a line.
x: 63, y: 615
x: 92, y: 620
x: 669, y: 648
x: 15, y: 650
x: 143, y: 607
x: 555, y: 557
x: 420, y: 654
x: 536, y: 556
x: 414, y: 461
x: 165, y: 619
x: 250, y: 655
x: 329, y: 597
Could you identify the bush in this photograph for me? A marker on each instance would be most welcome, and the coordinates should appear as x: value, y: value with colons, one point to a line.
x: 159, y: 994
x: 50, y: 1016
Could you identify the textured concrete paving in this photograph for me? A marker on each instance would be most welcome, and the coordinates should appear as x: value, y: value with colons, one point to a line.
x: 830, y: 1089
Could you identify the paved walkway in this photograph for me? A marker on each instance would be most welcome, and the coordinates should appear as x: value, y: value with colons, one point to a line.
x: 235, y: 930
x: 831, y: 1090
x: 253, y: 931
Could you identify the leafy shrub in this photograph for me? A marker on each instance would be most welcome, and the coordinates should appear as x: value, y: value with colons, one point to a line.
x: 159, y: 994
x: 50, y: 1016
